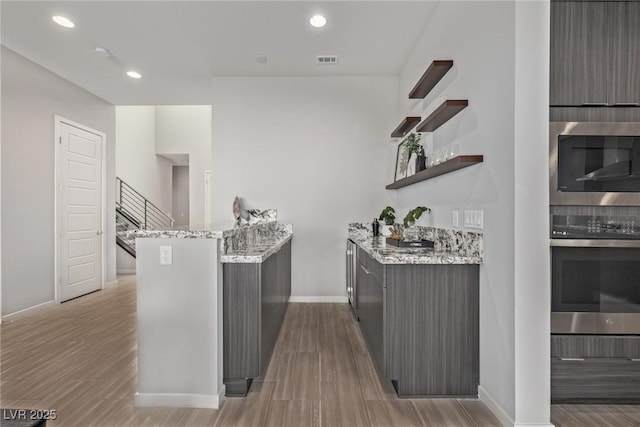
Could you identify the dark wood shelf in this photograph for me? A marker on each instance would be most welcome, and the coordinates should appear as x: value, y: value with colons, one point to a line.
x: 405, y: 126
x: 444, y: 112
x: 430, y: 78
x: 456, y: 163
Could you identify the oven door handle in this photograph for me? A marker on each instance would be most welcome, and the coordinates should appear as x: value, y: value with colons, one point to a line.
x: 592, y: 243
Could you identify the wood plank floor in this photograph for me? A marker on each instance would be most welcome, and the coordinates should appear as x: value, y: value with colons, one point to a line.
x: 79, y: 358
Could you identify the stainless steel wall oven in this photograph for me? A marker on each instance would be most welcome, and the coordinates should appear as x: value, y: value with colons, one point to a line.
x: 594, y: 163
x: 595, y: 275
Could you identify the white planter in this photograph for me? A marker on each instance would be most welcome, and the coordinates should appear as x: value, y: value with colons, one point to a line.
x: 385, y: 230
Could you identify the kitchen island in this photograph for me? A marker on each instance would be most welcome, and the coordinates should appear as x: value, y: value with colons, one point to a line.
x: 419, y: 310
x: 180, y: 307
x: 256, y: 291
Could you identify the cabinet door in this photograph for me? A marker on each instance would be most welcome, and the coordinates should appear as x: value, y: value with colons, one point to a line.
x: 362, y: 292
x: 624, y: 33
x: 284, y: 269
x: 579, y: 53
x: 370, y: 310
x: 432, y: 329
x: 270, y: 309
x: 283, y: 277
x: 241, y: 320
x: 376, y: 311
x: 598, y: 379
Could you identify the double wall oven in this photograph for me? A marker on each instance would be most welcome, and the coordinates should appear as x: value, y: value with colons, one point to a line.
x: 595, y: 256
x: 595, y: 275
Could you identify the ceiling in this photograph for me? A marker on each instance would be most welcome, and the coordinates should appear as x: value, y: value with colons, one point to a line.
x: 178, y: 46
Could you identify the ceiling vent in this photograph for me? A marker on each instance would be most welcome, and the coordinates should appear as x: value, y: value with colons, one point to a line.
x: 327, y: 59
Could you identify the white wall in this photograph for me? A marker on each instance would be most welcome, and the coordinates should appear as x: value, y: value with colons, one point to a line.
x: 507, y: 124
x: 31, y: 97
x: 532, y: 270
x: 125, y: 263
x: 314, y: 148
x: 136, y: 160
x: 186, y: 129
x: 180, y: 210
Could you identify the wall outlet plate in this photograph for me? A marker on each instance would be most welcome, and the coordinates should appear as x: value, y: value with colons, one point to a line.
x: 166, y: 255
x: 455, y: 218
x: 474, y: 219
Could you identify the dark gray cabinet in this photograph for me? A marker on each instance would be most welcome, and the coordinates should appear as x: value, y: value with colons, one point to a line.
x: 371, y: 304
x: 595, y: 53
x: 255, y: 297
x: 624, y: 46
x: 421, y: 325
x: 595, y: 368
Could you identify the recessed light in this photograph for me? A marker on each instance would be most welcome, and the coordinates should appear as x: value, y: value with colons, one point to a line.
x: 65, y: 22
x: 134, y: 74
x: 318, y: 21
x: 99, y: 50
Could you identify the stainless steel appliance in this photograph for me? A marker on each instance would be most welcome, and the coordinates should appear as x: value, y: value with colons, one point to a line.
x: 595, y: 275
x: 594, y: 163
x: 352, y: 268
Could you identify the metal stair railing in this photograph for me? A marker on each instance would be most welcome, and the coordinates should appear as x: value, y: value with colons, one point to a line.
x: 135, y: 205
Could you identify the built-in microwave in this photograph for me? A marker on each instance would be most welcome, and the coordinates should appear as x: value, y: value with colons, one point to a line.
x: 594, y: 163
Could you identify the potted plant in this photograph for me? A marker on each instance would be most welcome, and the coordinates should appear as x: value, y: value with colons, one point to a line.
x: 411, y: 233
x: 388, y: 217
x: 413, y: 146
x: 413, y: 215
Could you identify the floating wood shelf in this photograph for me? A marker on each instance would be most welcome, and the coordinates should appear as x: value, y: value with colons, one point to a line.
x: 444, y: 112
x: 451, y: 165
x: 405, y: 126
x: 430, y: 78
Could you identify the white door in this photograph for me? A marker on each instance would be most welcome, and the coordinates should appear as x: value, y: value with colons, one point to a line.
x: 79, y: 211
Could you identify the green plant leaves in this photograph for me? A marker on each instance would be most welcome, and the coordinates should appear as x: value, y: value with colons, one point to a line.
x: 388, y: 215
x: 414, y: 215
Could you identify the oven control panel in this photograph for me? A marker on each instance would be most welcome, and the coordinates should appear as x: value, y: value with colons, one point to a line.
x: 594, y: 227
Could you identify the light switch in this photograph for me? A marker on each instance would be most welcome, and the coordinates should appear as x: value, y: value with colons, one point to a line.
x: 474, y: 219
x: 455, y: 218
x: 166, y: 255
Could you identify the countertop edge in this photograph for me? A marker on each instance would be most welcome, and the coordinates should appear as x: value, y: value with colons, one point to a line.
x: 437, y: 258
x: 177, y: 234
x: 254, y: 259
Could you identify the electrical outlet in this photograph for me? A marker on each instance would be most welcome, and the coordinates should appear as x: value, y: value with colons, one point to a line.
x: 474, y: 219
x: 455, y: 218
x: 166, y: 255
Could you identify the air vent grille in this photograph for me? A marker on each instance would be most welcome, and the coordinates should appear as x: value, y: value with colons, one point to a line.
x: 327, y: 59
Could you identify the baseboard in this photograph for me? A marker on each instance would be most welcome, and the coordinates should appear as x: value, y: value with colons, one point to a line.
x: 534, y: 425
x: 27, y: 311
x: 334, y: 299
x: 180, y: 400
x: 495, y: 408
x: 111, y: 284
x: 501, y: 414
x: 126, y: 271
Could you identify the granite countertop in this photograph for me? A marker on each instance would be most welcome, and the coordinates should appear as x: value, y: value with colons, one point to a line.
x: 256, y: 253
x: 245, y: 244
x: 182, y: 232
x: 386, y: 254
x: 451, y: 247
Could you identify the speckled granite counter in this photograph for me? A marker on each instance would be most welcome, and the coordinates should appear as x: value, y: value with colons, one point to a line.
x: 256, y: 253
x: 179, y: 233
x: 247, y: 244
x: 450, y: 247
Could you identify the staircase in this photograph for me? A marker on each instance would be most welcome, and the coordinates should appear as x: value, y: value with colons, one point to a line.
x: 135, y: 212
